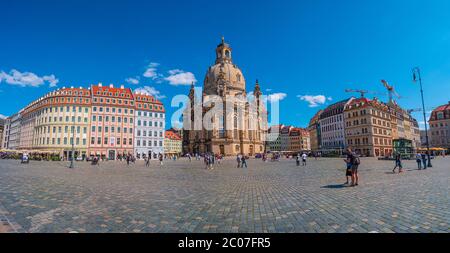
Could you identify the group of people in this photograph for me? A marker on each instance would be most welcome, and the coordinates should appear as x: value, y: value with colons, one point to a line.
x: 421, y: 159
x: 302, y: 157
x: 210, y: 160
x: 241, y: 161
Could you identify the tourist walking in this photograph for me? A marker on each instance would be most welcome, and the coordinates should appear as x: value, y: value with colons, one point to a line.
x: 297, y: 159
x: 238, y: 160
x: 419, y: 161
x: 161, y: 160
x: 244, y: 162
x: 398, y: 164
x: 304, y: 156
x: 128, y: 160
x: 147, y: 161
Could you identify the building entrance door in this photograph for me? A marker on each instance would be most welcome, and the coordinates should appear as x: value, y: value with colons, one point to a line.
x: 111, y: 155
x: 222, y: 149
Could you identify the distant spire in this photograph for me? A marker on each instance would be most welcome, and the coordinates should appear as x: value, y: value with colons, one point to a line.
x: 223, y: 40
x: 192, y: 85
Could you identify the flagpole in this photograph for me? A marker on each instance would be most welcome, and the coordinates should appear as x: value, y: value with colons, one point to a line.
x: 417, y: 70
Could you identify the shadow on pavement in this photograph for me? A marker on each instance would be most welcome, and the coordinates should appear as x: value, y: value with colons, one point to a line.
x: 334, y: 186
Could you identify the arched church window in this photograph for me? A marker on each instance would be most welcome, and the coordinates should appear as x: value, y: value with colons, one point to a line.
x: 227, y: 53
x: 238, y: 77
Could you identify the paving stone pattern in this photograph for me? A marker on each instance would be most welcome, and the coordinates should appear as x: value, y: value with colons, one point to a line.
x: 182, y: 196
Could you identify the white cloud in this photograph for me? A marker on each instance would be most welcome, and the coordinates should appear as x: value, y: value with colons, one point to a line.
x: 24, y: 79
x: 180, y: 77
x: 268, y: 90
x: 3, y: 116
x: 276, y: 97
x: 132, y: 80
x: 150, y: 91
x: 175, y: 71
x: 151, y: 71
x: 314, y: 101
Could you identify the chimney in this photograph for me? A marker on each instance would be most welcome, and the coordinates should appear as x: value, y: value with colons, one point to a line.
x: 111, y: 85
x: 122, y: 87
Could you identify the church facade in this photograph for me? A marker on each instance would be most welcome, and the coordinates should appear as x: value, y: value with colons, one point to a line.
x: 226, y: 119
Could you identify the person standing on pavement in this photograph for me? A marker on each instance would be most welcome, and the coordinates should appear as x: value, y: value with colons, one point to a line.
x: 398, y: 164
x: 244, y: 162
x: 238, y: 160
x: 297, y: 159
x: 348, y: 171
x: 211, y: 161
x: 304, y: 156
x: 424, y: 161
x: 354, y: 161
x: 160, y: 159
x: 207, y: 161
x: 147, y: 161
x: 419, y: 161
x: 128, y: 160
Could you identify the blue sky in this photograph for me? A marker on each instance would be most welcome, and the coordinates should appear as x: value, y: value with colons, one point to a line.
x: 297, y: 48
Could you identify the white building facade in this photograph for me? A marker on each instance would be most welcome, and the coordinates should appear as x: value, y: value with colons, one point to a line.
x: 332, y: 127
x: 149, y: 127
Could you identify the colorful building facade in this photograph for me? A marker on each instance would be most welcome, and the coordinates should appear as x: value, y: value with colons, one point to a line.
x: 368, y: 127
x: 439, y: 133
x: 149, y: 127
x: 172, y: 144
x: 99, y: 120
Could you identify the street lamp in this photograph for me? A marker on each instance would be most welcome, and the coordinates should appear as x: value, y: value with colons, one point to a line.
x: 416, y: 74
x: 73, y: 139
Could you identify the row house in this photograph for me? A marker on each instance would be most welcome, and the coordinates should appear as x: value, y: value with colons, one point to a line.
x: 315, y: 133
x: 368, y: 127
x: 332, y: 128
x: 149, y: 127
x: 99, y: 120
x: 439, y: 133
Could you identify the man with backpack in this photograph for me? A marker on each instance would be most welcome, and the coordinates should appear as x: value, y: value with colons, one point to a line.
x: 355, y: 162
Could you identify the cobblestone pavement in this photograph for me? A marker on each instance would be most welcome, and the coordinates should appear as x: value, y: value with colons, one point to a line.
x: 184, y: 197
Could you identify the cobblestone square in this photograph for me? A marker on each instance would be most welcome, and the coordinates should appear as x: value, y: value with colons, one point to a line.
x: 182, y: 196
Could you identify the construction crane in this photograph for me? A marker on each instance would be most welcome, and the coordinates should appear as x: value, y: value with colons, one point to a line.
x: 391, y: 91
x: 414, y: 110
x: 362, y: 92
x: 420, y: 109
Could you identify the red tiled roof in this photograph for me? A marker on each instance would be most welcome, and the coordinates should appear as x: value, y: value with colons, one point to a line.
x: 171, y: 135
x: 442, y: 108
x: 111, y: 92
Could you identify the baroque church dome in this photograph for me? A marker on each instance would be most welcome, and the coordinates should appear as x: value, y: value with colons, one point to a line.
x: 223, y: 71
